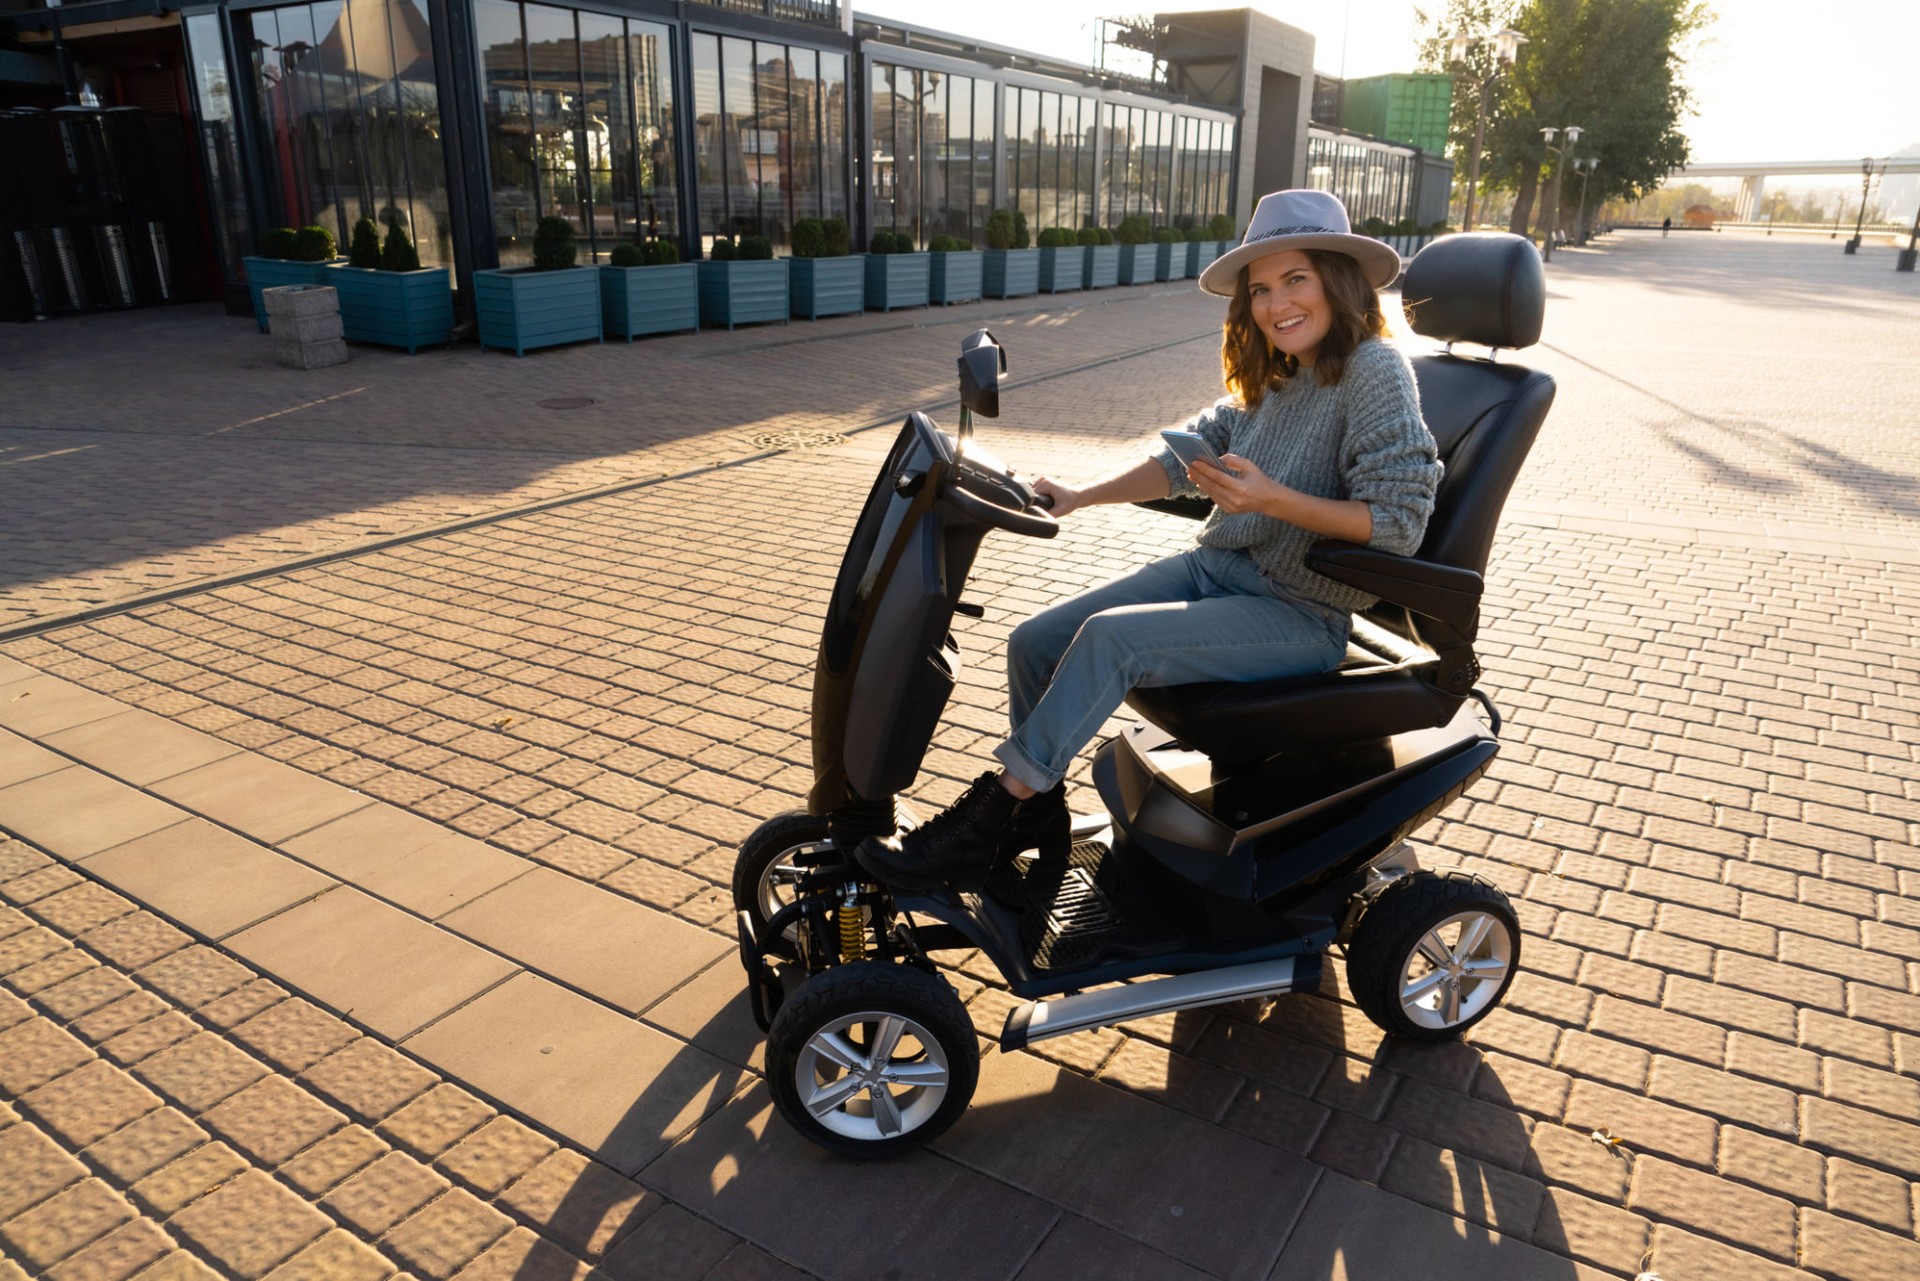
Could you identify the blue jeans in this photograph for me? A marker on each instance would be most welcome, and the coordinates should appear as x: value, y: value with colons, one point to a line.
x: 1205, y: 615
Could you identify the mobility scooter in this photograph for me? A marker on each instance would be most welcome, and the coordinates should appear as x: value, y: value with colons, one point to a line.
x: 1248, y: 827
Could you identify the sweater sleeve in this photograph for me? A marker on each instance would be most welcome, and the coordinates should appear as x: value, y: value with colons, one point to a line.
x: 1216, y: 424
x: 1388, y: 457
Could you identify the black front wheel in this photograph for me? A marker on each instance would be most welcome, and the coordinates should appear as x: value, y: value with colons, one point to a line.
x: 767, y: 869
x: 1433, y: 955
x: 870, y: 1059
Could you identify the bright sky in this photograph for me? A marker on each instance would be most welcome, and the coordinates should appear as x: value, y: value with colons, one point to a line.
x: 1775, y: 79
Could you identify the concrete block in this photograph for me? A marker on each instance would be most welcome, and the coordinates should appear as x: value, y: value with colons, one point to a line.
x: 311, y: 355
x: 306, y: 329
x: 295, y: 301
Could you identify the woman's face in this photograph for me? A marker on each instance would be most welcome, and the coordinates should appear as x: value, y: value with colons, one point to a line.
x: 1288, y: 304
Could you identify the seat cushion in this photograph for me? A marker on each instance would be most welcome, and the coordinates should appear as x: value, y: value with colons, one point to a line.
x: 1377, y: 690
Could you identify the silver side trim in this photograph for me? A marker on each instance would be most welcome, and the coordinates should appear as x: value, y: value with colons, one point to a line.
x: 1039, y: 1020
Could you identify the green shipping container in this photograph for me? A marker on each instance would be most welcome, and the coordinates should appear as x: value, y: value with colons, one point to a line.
x: 1413, y: 108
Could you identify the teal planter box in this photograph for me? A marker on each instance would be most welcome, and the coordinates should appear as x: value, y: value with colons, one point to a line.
x: 898, y: 280
x: 271, y: 273
x: 410, y: 309
x: 1011, y: 273
x: 519, y: 307
x: 1103, y: 267
x: 649, y: 300
x: 955, y: 276
x: 1200, y: 253
x: 743, y: 293
x: 1137, y: 264
x: 1170, y: 261
x: 1063, y: 268
x: 828, y: 286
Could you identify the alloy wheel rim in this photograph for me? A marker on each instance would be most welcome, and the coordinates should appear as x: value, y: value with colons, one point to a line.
x: 1455, y: 970
x: 777, y: 879
x: 872, y: 1075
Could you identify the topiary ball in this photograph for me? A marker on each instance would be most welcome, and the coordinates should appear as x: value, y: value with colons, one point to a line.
x: 399, y: 254
x: 365, y: 248
x: 723, y: 250
x: 278, y: 243
x: 756, y: 248
x: 553, y: 244
x: 313, y: 244
x: 627, y: 256
x: 662, y: 253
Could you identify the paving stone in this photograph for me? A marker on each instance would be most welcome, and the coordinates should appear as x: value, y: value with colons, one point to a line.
x: 1560, y: 1156
x: 1678, y: 1253
x: 133, y: 941
x: 241, y: 1004
x: 404, y: 859
x: 668, y: 1245
x: 330, y: 1162
x: 448, y: 1234
x: 271, y: 1120
x: 195, y: 976
x: 262, y: 798
x: 131, y: 1154
x: 1660, y: 1031
x: 1773, y: 1164
x: 66, y: 1223
x: 368, y: 1080
x: 522, y: 1256
x: 1277, y: 1117
x: 1864, y: 1136
x: 1484, y: 1130
x: 1866, y: 1087
x: 1848, y: 1038
x: 337, y: 1256
x: 384, y: 1193
x: 1257, y: 1052
x: 1836, y: 1247
x: 249, y: 1225
x: 1769, y: 1060
x: 495, y: 1155
x: 294, y: 1034
x: 435, y: 1121
x: 84, y: 993
x: 144, y: 1040
x: 51, y: 972
x: 200, y: 1071
x: 579, y: 1204
x: 35, y: 1052
x: 1467, y: 1189
x: 117, y: 1255
x: 1874, y: 1196
x: 89, y: 1103
x: 1592, y: 1231
x: 81, y: 908
x: 179, y: 1266
x: 205, y: 877
x: 181, y: 1182
x: 1354, y: 1146
x: 1644, y: 1124
x: 1174, y: 1080
x: 1724, y: 1095
x: 1742, y: 1216
x: 75, y: 813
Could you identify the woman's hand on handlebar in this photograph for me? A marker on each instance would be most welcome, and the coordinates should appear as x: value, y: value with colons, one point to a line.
x: 1065, y: 499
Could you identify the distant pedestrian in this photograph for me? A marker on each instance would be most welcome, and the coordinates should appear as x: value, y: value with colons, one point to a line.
x: 1666, y: 225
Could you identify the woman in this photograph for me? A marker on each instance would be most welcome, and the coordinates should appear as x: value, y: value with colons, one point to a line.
x: 1323, y: 436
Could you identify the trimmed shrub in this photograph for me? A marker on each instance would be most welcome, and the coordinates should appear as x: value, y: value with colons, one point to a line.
x: 1183, y: 223
x: 1439, y: 228
x: 553, y: 244
x: 757, y: 248
x: 1106, y: 235
x: 1054, y: 238
x: 1087, y: 236
x: 944, y: 244
x: 1375, y: 226
x: 278, y: 243
x: 398, y: 254
x: 723, y: 250
x: 1134, y: 229
x: 839, y: 238
x: 887, y: 242
x: 809, y: 238
x: 1166, y: 236
x: 314, y: 244
x: 1220, y: 227
x: 1000, y: 229
x: 365, y: 250
x: 661, y: 253
x: 1197, y: 234
x: 627, y: 256
x: 1021, y: 239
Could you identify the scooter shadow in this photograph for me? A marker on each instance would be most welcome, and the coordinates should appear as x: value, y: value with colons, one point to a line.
x: 1235, y: 1142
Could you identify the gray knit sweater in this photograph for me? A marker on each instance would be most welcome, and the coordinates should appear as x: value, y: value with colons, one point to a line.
x: 1361, y: 438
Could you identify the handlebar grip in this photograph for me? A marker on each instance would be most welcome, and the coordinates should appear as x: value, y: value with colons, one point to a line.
x: 1032, y: 524
x: 1043, y: 501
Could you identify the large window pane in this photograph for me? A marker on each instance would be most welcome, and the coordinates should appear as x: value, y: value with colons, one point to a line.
x: 833, y: 133
x: 607, y: 131
x: 219, y: 145
x: 509, y: 107
x: 885, y: 160
x: 559, y: 127
x: 650, y: 63
x: 419, y: 122
x: 803, y: 147
x: 710, y: 155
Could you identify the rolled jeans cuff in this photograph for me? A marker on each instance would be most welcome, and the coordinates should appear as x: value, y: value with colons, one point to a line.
x: 1025, y: 768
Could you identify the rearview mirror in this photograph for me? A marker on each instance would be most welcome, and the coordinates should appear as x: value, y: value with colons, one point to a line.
x: 982, y: 361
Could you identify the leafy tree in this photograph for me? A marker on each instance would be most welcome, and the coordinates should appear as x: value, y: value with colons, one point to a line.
x: 1613, y: 67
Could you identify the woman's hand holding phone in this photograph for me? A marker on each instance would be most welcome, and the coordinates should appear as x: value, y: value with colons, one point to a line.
x: 1243, y: 489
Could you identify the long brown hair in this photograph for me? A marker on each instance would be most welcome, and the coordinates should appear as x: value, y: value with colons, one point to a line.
x: 1253, y: 366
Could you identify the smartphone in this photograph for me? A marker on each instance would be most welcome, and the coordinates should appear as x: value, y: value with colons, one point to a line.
x: 1191, y: 448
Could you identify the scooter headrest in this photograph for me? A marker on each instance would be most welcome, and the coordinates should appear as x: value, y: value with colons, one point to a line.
x: 1481, y: 287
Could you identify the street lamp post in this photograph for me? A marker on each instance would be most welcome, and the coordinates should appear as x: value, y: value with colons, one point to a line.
x: 1866, y: 183
x: 1572, y: 133
x: 1584, y: 167
x: 1506, y: 47
x: 1906, y: 257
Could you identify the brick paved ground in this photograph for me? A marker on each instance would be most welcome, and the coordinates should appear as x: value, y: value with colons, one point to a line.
x: 1700, y: 624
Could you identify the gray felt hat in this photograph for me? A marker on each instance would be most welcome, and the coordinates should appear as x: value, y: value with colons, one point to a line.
x: 1301, y: 219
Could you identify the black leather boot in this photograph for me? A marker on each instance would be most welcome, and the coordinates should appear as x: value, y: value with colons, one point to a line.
x: 1040, y: 823
x: 957, y: 846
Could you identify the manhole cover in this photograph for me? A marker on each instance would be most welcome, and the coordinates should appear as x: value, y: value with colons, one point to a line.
x: 799, y: 440
x: 566, y: 402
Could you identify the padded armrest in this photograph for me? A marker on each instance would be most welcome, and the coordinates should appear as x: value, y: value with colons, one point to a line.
x: 1191, y: 508
x: 1441, y: 592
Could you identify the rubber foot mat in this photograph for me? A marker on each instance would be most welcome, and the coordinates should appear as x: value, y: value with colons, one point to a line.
x: 1076, y: 912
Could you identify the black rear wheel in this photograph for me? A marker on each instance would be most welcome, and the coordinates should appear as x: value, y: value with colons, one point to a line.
x: 870, y: 1059
x: 1434, y: 954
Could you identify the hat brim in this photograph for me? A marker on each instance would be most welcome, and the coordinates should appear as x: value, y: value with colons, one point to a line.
x: 1379, y: 261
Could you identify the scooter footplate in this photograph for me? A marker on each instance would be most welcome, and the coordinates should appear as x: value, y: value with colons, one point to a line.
x: 1076, y: 913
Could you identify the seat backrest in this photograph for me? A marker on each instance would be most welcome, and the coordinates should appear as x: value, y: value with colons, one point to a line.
x: 1485, y: 288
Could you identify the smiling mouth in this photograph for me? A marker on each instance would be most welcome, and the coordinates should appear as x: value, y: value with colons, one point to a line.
x: 1289, y: 325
